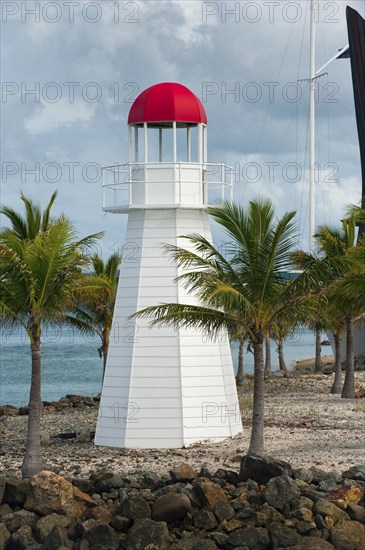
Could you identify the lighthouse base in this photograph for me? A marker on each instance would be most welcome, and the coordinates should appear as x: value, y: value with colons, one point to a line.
x: 163, y: 387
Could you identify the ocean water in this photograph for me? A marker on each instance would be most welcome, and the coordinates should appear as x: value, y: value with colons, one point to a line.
x: 71, y: 364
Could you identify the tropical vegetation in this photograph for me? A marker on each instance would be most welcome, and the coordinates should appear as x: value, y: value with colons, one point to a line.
x: 41, y: 274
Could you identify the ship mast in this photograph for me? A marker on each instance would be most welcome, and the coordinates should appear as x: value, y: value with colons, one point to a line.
x: 312, y: 136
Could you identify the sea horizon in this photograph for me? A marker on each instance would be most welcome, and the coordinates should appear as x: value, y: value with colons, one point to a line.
x: 71, y: 364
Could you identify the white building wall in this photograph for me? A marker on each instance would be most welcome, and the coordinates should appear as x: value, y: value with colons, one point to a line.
x: 163, y: 388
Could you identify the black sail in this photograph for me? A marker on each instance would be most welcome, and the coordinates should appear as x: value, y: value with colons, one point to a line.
x: 356, y: 31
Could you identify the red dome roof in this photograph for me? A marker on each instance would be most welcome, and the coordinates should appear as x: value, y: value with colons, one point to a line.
x: 167, y: 102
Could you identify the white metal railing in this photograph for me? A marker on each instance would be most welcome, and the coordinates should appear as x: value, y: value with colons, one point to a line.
x: 185, y: 184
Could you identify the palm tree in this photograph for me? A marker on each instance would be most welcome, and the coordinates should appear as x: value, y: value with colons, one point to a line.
x: 95, y: 314
x: 246, y: 289
x: 36, y: 221
x: 330, y: 269
x: 39, y: 275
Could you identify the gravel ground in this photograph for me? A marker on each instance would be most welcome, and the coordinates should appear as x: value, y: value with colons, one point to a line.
x: 305, y: 425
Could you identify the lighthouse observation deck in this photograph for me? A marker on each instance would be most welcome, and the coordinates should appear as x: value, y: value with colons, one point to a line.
x: 141, y: 185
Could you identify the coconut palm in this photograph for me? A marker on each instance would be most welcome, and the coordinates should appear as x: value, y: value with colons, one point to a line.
x: 39, y: 275
x: 329, y: 269
x: 95, y: 314
x: 35, y: 221
x: 247, y: 288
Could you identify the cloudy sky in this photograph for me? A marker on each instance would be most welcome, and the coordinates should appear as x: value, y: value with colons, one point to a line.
x: 71, y: 70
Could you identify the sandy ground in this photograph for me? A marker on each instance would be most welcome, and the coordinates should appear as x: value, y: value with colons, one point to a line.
x: 305, y: 425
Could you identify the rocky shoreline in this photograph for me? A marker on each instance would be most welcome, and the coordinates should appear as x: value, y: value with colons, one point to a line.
x: 127, y: 498
x: 263, y: 504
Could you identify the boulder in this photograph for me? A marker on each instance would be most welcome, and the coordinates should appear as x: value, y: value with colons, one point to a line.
x: 45, y: 525
x: 348, y: 535
x: 280, y: 491
x: 170, y: 507
x: 210, y: 493
x: 50, y: 493
x: 16, y: 520
x: 223, y: 511
x: 356, y: 512
x: 355, y: 472
x: 15, y: 492
x: 147, y: 532
x: 303, y: 474
x: 326, y: 508
x: 4, y: 536
x: 254, y: 538
x: 203, y: 519
x: 22, y: 538
x: 110, y: 483
x: 135, y: 507
x: 183, y: 473
x: 283, y: 536
x: 101, y: 537
x: 313, y: 543
x: 263, y: 468
x: 57, y: 539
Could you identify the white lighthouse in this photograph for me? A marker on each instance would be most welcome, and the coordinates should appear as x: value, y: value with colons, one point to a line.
x: 163, y: 388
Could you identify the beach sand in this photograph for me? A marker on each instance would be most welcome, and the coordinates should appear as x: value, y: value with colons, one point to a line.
x: 305, y: 425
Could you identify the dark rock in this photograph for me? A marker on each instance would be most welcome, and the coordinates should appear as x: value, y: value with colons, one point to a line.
x: 313, y: 543
x: 22, y: 539
x: 263, y: 468
x: 313, y: 495
x: 148, y: 532
x: 223, y: 511
x: 326, y: 508
x: 356, y: 512
x: 171, y: 507
x: 16, y: 520
x: 15, y: 492
x: 348, y: 535
x: 45, y: 525
x: 283, y: 536
x: 151, y: 481
x: 280, y: 491
x: 204, y: 472
x: 110, y: 483
x: 318, y: 519
x: 101, y: 537
x: 204, y: 520
x: 135, y: 507
x: 85, y: 485
x: 355, y: 472
x: 194, y: 543
x: 302, y: 514
x: 307, y: 528
x: 2, y: 488
x: 4, y: 536
x: 56, y: 539
x: 182, y: 473
x: 120, y: 523
x: 303, y: 474
x: 5, y: 510
x: 255, y: 538
x: 267, y: 515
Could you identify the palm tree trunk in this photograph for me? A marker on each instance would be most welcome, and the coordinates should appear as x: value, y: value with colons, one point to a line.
x: 104, y: 349
x: 33, y: 462
x: 348, y: 390
x: 267, y: 370
x: 257, y: 433
x: 337, y: 383
x: 239, y: 375
x: 318, y: 365
x: 282, y: 365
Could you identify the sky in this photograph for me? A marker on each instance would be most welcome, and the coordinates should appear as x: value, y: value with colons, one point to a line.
x: 72, y: 69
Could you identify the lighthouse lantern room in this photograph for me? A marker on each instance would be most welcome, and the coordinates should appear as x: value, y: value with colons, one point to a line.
x: 164, y: 387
